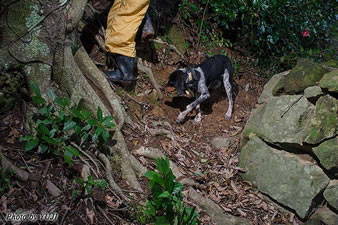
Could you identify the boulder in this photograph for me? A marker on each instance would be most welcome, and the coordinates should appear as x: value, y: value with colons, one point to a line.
x: 222, y: 142
x: 305, y: 74
x: 327, y: 153
x: 280, y: 120
x: 313, y: 93
x: 323, y: 216
x: 324, y: 123
x: 331, y: 194
x: 330, y: 81
x: 269, y: 86
x: 285, y: 177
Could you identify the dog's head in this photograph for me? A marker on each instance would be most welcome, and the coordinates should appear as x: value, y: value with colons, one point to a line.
x: 177, y: 79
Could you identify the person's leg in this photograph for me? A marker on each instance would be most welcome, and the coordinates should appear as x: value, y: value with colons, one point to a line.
x: 123, y: 21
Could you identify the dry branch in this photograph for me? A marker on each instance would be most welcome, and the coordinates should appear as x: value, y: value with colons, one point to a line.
x: 214, y: 211
x: 109, y: 176
x: 149, y: 72
x: 7, y: 166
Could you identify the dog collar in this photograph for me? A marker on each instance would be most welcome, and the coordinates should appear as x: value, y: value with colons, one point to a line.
x: 190, y: 76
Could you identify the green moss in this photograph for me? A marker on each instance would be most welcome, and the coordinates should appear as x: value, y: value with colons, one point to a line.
x: 305, y: 74
x: 177, y: 37
x: 330, y: 81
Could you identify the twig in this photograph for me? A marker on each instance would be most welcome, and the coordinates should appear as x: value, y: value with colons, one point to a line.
x: 149, y: 72
x: 109, y: 176
x: 160, y: 41
x: 88, y: 156
x: 47, y: 168
x: 105, y: 215
x: 200, y: 30
x: 289, y: 107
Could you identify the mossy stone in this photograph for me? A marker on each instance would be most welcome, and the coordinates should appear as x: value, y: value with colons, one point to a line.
x: 330, y: 81
x: 305, y: 74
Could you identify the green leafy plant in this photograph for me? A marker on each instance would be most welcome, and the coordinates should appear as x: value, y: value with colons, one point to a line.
x: 165, y: 206
x: 57, y: 125
x: 275, y: 32
x: 89, y: 184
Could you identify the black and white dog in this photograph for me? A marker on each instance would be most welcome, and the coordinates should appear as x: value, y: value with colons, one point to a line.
x: 208, y: 75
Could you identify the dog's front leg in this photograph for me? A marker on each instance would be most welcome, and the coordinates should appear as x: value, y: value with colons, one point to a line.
x: 228, y: 89
x: 193, y: 105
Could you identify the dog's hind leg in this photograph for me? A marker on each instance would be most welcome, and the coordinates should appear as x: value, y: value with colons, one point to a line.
x: 228, y: 89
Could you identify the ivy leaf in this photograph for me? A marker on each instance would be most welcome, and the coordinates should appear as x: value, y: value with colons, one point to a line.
x: 99, y: 114
x: 31, y: 144
x: 35, y: 88
x: 86, y: 114
x: 92, y: 122
x: 77, y: 113
x: 68, y: 125
x: 38, y: 100
x: 72, y: 151
x: 51, y: 94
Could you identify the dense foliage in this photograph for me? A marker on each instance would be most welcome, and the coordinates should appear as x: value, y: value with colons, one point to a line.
x: 275, y: 31
x: 57, y: 126
x: 165, y: 205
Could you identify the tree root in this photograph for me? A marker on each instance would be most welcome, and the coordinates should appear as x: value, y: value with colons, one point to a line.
x: 149, y: 72
x: 7, y: 167
x: 97, y: 78
x: 126, y: 167
x: 88, y: 201
x: 214, y: 211
x: 75, y: 14
x: 109, y: 176
x: 154, y: 153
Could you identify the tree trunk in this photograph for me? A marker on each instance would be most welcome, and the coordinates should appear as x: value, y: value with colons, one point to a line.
x: 40, y: 39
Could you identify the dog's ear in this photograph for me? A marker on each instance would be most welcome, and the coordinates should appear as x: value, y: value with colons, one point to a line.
x: 172, y: 79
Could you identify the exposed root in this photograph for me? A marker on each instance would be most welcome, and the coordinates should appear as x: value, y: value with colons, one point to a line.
x: 88, y: 201
x: 149, y: 72
x: 92, y: 73
x: 7, y: 166
x: 89, y: 157
x: 214, y: 211
x: 155, y: 153
x: 137, y: 166
x: 109, y: 176
x: 75, y: 14
x: 126, y: 166
x: 52, y: 189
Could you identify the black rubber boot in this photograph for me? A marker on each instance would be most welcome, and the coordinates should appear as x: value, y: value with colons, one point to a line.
x: 124, y: 73
x: 148, y: 29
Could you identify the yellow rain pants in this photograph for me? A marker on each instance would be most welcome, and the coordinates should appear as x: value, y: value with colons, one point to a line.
x: 124, y: 18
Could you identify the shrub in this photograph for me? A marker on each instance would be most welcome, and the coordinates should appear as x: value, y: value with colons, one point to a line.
x: 165, y: 206
x: 275, y: 31
x: 57, y: 125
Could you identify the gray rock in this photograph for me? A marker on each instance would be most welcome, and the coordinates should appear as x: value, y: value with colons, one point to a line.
x: 269, y: 86
x: 280, y: 120
x: 327, y: 153
x: 285, y: 177
x: 330, y: 81
x: 305, y: 74
x: 313, y: 92
x: 331, y: 194
x: 222, y: 142
x: 323, y: 216
x: 324, y: 123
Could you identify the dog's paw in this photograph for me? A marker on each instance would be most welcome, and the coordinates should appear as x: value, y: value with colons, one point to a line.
x: 227, y: 116
x: 197, y: 119
x: 180, y: 118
